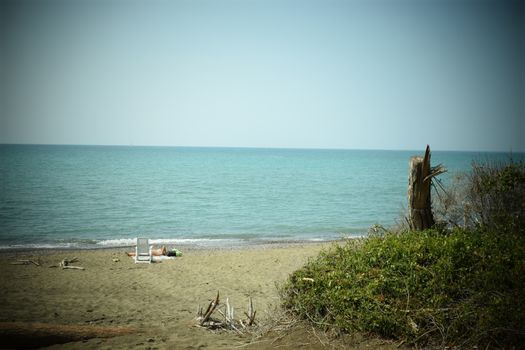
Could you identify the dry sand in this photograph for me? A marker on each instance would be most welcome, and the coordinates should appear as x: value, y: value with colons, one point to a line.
x: 160, y: 300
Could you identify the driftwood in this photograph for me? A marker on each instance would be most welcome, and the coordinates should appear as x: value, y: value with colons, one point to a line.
x: 25, y: 262
x: 419, y: 182
x: 22, y: 335
x: 251, y: 313
x: 65, y: 264
x: 209, y: 311
x: 228, y: 322
x: 72, y: 267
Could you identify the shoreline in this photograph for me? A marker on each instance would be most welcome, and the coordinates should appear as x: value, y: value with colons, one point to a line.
x: 195, y: 246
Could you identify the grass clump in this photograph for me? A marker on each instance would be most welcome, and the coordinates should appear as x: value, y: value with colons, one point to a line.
x: 448, y: 287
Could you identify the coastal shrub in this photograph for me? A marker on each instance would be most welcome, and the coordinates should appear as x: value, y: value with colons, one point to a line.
x: 497, y: 195
x: 492, y: 195
x: 465, y: 287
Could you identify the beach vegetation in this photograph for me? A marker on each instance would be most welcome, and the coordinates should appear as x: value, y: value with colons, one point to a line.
x: 492, y: 195
x: 455, y: 286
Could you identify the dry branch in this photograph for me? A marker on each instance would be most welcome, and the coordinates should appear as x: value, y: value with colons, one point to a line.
x: 25, y: 262
x: 229, y: 323
x: 251, y: 312
x: 211, y: 308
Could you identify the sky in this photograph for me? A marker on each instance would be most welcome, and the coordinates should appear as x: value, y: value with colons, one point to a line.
x: 355, y: 74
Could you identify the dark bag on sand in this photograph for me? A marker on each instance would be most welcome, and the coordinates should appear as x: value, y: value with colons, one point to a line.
x: 174, y: 252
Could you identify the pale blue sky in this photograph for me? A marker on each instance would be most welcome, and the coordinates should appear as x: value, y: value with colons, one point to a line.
x: 304, y: 74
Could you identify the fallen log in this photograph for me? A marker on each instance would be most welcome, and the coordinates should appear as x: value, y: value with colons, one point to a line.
x: 23, y: 335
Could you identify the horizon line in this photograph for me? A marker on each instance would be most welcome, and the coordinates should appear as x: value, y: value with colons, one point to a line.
x: 258, y: 147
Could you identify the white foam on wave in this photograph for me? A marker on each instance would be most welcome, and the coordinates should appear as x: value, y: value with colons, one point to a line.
x: 126, y: 242
x: 41, y: 246
x: 123, y: 242
x: 315, y: 240
x: 129, y: 242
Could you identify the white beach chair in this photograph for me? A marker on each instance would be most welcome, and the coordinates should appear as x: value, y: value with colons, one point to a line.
x: 143, y: 251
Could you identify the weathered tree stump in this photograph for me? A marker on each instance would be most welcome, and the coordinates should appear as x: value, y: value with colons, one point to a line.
x: 419, y: 200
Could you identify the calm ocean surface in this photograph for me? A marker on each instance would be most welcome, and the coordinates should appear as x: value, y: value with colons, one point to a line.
x: 94, y: 196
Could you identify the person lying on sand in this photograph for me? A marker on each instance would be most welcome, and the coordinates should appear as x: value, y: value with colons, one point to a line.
x: 155, y: 252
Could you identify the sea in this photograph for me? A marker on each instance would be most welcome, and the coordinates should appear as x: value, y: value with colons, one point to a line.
x: 56, y: 196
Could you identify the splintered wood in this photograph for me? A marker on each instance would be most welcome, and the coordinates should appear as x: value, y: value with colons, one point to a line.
x: 205, y: 318
x: 227, y: 321
x: 65, y: 264
x: 419, y: 182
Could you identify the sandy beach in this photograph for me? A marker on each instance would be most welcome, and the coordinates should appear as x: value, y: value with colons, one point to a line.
x: 159, y: 301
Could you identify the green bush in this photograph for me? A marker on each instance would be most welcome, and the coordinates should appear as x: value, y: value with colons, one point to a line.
x: 466, y: 287
x: 497, y: 195
x: 492, y: 195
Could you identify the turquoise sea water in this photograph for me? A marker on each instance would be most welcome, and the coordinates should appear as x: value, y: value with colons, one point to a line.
x: 89, y: 196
